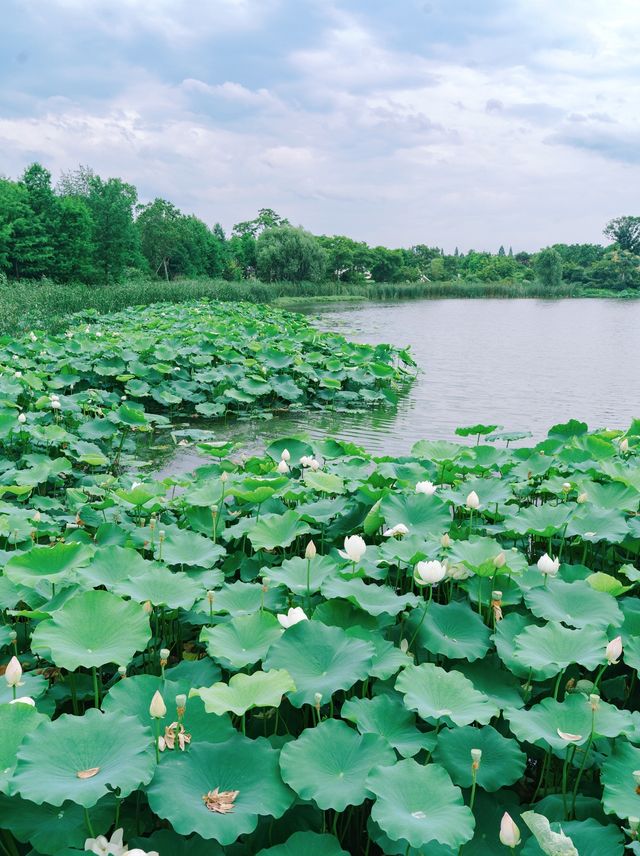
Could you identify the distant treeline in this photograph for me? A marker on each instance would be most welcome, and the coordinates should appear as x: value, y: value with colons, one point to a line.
x: 92, y: 230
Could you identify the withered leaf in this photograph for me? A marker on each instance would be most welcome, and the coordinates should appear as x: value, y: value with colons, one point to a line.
x: 87, y: 774
x: 220, y: 801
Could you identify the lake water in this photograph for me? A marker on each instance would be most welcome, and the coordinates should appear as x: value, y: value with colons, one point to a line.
x: 522, y: 364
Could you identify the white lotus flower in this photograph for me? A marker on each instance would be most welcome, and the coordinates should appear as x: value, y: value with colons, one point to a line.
x: 102, y: 846
x: 13, y: 673
x: 294, y: 615
x: 398, y: 529
x: 500, y: 560
x: 445, y: 540
x: 17, y: 374
x: 305, y: 461
x: 33, y: 336
x: 624, y: 445
x: 354, y: 548
x: 138, y: 852
x: 582, y: 497
x: 25, y: 699
x: 426, y: 487
x: 285, y: 455
x: 430, y: 573
x: 22, y: 418
x: 283, y: 467
x: 310, y: 552
x: 509, y: 832
x: 547, y: 565
x: 157, y: 708
x: 314, y: 465
x: 472, y: 501
x: 55, y: 405
x: 613, y: 651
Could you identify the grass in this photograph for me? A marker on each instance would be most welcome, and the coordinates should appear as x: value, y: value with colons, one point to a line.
x: 47, y: 305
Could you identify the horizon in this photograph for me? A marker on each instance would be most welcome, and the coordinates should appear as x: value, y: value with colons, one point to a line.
x: 432, y: 124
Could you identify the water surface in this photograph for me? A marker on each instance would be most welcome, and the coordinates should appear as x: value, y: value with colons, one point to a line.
x: 523, y: 364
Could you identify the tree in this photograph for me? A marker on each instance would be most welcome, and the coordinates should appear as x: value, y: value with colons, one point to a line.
x: 501, y: 251
x: 548, y: 267
x: 111, y: 204
x: 625, y: 231
x: 73, y: 249
x: 287, y: 253
x: 158, y: 227
x: 266, y: 219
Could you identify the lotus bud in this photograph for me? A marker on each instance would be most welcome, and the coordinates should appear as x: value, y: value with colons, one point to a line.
x: 582, y: 497
x: 594, y: 701
x: 22, y: 418
x: 285, y: 455
x: 500, y: 560
x: 310, y: 552
x: 13, y: 673
x: 472, y: 501
x: 426, y: 487
x: 55, y: 405
x: 157, y: 708
x: 429, y: 573
x: 404, y: 645
x: 122, y: 671
x: 147, y: 607
x: 624, y: 445
x: 36, y: 517
x: 283, y: 468
x: 224, y: 477
x: 210, y: 596
x: 354, y: 548
x: 476, y: 757
x: 566, y: 487
x: 25, y: 699
x: 317, y: 699
x: 509, y: 832
x: 181, y: 704
x: 12, y: 636
x: 547, y: 565
x: 314, y: 465
x: 614, y: 651
x: 17, y: 374
x: 445, y: 540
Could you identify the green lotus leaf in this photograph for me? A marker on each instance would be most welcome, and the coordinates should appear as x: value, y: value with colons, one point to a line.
x: 16, y: 720
x: 451, y: 629
x: 386, y: 716
x: 132, y: 696
x: 436, y: 450
x: 321, y: 659
x: 293, y: 573
x: 436, y: 694
x: 589, y: 837
x: 606, y: 583
x: 556, y: 647
x: 56, y: 762
x: 91, y: 629
x: 477, y: 554
x: 619, y: 795
x: 503, y: 762
x: 242, y: 641
x: 576, y: 604
x: 504, y: 638
x: 549, y: 842
x: 296, y: 447
x: 599, y: 524
x: 243, y: 692
x: 540, y: 724
x: 374, y: 599
x: 423, y: 515
x: 32, y: 685
x: 160, y: 586
x: 309, y: 843
x: 420, y: 805
x: 51, y: 829
x: 324, y: 482
x: 329, y: 764
x: 113, y: 564
x: 248, y: 767
x: 182, y: 547
x: 277, y: 530
x: 543, y: 520
x: 499, y: 685
x: 53, y: 564
x: 247, y: 598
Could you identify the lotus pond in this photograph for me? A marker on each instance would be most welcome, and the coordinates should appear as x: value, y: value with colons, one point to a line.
x: 312, y: 649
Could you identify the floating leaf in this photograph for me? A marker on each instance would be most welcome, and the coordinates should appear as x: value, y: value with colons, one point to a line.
x: 243, y: 692
x: 387, y: 717
x: 554, y: 647
x: 436, y: 694
x: 576, y: 603
x: 242, y: 641
x: 503, y: 762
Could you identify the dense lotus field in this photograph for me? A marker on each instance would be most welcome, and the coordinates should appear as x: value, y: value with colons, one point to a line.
x: 314, y: 650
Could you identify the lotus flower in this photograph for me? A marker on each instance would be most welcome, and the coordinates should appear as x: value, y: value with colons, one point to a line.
x: 283, y: 467
x: 102, y: 846
x: 398, y: 529
x: 314, y: 465
x: 509, y: 832
x: 472, y: 501
x: 429, y: 573
x: 22, y: 418
x: 547, y: 565
x: 25, y: 699
x: 157, y: 708
x: 305, y: 461
x: 445, y: 540
x: 354, y: 548
x: 614, y: 651
x: 310, y: 552
x: 624, y: 445
x: 426, y: 487
x: 293, y: 616
x: 285, y: 455
x: 13, y: 673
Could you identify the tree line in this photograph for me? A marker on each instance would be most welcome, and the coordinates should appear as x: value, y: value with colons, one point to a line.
x: 94, y: 230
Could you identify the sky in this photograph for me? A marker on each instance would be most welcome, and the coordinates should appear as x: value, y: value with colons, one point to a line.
x: 468, y: 123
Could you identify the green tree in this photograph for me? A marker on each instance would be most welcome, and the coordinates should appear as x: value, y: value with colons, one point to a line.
x: 115, y: 245
x: 73, y: 249
x: 290, y: 254
x: 548, y: 267
x: 625, y: 231
x: 158, y: 225
x: 266, y: 219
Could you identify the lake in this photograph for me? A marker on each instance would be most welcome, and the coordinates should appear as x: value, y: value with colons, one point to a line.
x: 521, y: 364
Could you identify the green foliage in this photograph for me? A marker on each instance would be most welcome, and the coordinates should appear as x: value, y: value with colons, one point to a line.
x: 289, y: 254
x: 548, y: 268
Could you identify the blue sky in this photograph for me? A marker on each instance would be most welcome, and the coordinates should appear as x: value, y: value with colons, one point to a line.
x: 469, y: 123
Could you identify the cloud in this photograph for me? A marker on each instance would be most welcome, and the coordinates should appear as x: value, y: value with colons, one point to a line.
x: 506, y: 122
